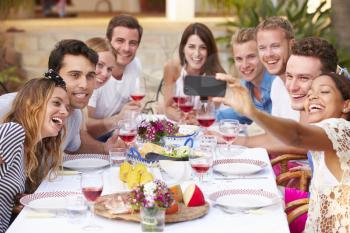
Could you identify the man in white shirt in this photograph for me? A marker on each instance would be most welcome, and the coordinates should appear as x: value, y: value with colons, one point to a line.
x: 109, y: 102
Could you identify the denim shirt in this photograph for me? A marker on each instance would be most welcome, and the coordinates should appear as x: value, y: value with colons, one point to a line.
x: 265, y: 104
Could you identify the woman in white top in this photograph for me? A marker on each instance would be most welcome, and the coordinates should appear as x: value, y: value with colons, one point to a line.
x: 198, y: 55
x: 328, y: 139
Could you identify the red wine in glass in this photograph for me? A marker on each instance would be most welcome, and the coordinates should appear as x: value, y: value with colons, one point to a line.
x: 200, y: 168
x: 128, y: 137
x: 206, y: 121
x: 186, y: 108
x: 229, y: 138
x: 179, y: 100
x: 137, y: 97
x: 92, y: 193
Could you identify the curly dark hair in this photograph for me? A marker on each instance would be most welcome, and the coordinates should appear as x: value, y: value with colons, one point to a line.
x: 318, y: 48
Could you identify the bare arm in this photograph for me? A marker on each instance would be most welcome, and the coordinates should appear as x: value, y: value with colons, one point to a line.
x: 97, y: 127
x: 288, y: 131
x: 171, y: 71
x: 270, y: 143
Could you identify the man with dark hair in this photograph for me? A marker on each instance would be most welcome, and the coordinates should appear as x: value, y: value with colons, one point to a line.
x: 76, y: 64
x: 254, y: 77
x: 109, y: 102
x: 310, y: 57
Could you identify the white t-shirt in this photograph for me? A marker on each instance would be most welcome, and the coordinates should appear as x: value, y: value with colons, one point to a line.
x: 281, y: 103
x: 111, y: 97
x: 72, y: 141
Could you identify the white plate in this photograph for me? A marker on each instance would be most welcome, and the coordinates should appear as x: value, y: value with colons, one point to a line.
x: 238, y: 166
x: 244, y: 198
x: 82, y: 162
x: 47, y: 201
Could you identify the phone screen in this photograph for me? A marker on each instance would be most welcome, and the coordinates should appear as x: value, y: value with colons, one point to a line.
x: 204, y: 86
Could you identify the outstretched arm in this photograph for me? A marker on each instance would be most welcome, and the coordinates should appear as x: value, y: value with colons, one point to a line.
x: 288, y: 131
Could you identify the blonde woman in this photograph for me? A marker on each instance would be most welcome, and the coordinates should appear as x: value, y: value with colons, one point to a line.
x: 106, y: 59
x: 30, y: 139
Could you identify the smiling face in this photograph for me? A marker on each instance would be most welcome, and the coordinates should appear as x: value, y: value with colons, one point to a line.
x: 104, y: 67
x: 301, y: 70
x: 274, y: 50
x: 79, y: 74
x: 196, y: 53
x: 247, y: 61
x: 324, y: 100
x: 125, y: 41
x: 56, y: 113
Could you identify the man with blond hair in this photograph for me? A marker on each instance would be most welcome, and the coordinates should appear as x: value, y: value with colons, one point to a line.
x: 254, y: 76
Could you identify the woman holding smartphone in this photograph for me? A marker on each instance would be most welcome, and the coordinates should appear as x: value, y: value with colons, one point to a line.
x: 30, y: 139
x: 198, y: 55
x: 328, y: 139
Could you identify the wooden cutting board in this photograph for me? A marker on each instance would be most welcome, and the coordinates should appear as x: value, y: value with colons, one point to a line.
x: 184, y: 213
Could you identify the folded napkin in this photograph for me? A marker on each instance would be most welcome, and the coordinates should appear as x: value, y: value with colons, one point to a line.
x: 33, y: 214
x: 68, y: 173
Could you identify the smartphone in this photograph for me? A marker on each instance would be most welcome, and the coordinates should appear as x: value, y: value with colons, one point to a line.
x: 204, y: 86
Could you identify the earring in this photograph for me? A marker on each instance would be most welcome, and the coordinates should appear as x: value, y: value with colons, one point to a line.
x: 345, y: 110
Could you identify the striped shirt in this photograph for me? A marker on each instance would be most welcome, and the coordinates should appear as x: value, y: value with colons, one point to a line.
x: 12, y: 176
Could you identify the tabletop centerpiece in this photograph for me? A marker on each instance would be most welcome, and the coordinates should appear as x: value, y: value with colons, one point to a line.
x: 152, y: 199
x: 154, y: 130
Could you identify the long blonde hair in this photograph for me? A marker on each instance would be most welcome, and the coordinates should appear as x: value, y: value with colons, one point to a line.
x: 28, y: 109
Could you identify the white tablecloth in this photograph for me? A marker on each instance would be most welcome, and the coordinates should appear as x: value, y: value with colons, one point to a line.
x: 270, y: 220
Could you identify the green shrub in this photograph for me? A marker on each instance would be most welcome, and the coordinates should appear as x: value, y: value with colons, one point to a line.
x: 248, y: 13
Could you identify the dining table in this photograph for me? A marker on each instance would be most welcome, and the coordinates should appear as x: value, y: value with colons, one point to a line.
x: 269, y: 219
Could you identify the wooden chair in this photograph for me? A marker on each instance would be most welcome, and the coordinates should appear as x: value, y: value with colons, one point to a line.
x: 298, y: 207
x: 304, y: 177
x: 284, y: 159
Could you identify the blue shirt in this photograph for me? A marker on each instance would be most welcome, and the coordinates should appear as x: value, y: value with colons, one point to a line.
x: 264, y: 105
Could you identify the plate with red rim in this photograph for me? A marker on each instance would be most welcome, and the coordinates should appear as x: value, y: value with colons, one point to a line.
x: 241, y: 199
x: 83, y: 162
x: 231, y: 166
x: 47, y: 201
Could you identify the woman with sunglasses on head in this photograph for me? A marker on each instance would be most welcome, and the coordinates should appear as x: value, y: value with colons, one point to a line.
x: 30, y: 139
x: 327, y: 138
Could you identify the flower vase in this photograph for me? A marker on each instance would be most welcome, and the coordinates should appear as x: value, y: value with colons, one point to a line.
x: 152, y: 219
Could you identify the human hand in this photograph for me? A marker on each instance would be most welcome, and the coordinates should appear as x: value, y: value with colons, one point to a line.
x: 113, y: 141
x: 236, y: 96
x: 130, y: 106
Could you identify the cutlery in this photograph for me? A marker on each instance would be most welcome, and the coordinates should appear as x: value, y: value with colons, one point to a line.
x: 33, y: 214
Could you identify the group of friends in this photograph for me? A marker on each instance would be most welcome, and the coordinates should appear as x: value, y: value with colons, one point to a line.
x: 288, y: 87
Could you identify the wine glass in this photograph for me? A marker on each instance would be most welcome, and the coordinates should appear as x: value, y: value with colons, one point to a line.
x: 206, y: 114
x: 229, y: 129
x: 139, y: 91
x: 127, y: 131
x: 186, y: 105
x: 201, y: 160
x: 91, y: 185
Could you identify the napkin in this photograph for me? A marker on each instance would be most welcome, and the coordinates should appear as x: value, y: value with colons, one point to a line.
x: 68, y: 173
x: 33, y: 214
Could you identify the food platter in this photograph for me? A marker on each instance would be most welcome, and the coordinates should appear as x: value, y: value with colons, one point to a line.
x: 184, y: 213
